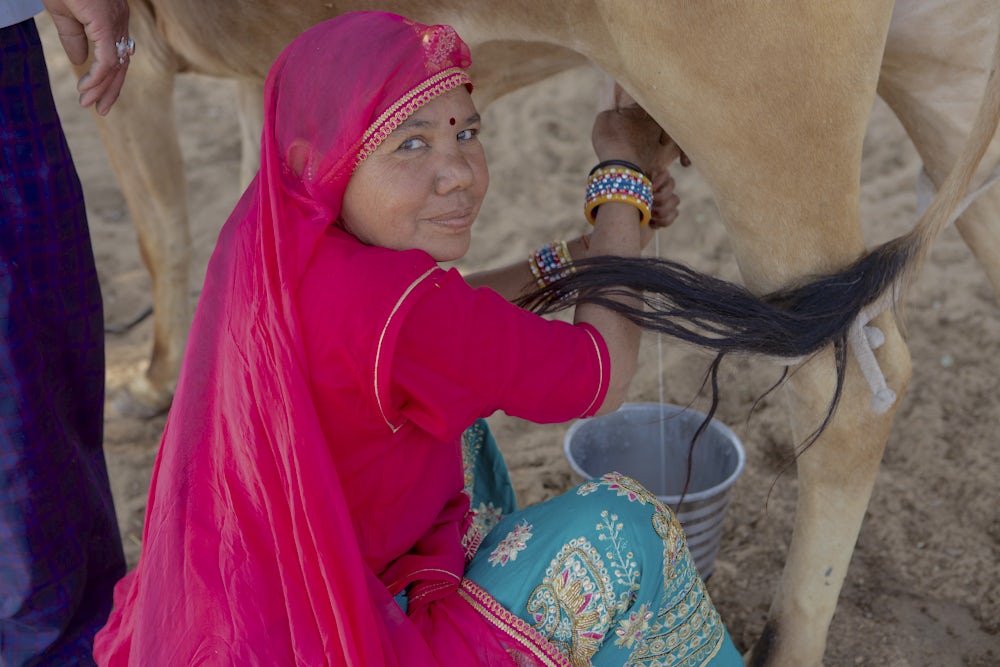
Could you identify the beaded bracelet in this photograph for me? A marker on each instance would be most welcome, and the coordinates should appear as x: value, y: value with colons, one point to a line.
x: 551, y: 262
x: 618, y: 181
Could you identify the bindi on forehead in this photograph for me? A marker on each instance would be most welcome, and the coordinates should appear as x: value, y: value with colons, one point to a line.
x: 451, y: 121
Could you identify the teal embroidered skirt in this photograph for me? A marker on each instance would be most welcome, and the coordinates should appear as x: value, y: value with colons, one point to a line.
x: 602, y: 571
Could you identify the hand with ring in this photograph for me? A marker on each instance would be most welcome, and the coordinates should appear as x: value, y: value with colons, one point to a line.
x: 105, y: 24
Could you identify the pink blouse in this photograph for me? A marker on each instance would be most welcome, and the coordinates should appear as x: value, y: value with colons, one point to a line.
x: 402, y: 357
x: 396, y: 387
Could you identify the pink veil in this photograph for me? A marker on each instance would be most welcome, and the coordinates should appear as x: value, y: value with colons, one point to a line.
x: 237, y: 565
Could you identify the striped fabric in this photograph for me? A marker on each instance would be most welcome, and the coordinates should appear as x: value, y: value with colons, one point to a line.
x: 60, y: 551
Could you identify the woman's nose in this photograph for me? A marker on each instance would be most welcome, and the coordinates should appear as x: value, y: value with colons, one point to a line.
x: 454, y: 173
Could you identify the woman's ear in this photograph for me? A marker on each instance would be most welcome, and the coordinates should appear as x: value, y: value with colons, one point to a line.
x: 297, y: 156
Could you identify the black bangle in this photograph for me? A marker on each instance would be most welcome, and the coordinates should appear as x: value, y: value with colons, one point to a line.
x: 617, y: 163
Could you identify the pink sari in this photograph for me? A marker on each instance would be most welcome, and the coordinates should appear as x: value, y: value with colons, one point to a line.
x: 234, y: 569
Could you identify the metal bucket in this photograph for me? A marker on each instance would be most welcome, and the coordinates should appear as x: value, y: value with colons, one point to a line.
x: 650, y: 442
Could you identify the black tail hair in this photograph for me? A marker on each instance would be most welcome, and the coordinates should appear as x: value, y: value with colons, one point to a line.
x: 795, y: 322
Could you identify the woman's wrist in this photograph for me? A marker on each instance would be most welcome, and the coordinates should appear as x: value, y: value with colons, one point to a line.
x: 551, y: 262
x: 579, y: 248
x: 616, y: 231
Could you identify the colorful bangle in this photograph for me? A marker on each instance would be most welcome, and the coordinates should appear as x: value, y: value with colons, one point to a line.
x: 617, y: 183
x: 551, y: 262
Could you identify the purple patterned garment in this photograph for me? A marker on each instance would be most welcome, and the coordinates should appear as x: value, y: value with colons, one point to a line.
x: 60, y: 551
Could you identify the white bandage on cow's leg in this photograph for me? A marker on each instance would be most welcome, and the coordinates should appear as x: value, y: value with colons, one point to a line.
x: 875, y: 337
x: 861, y: 340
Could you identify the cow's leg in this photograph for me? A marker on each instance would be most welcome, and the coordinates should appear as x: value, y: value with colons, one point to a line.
x: 836, y: 473
x: 836, y: 476
x: 250, y: 110
x: 935, y: 69
x: 141, y: 140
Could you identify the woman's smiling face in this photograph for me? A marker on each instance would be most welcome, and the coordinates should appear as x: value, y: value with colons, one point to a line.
x: 423, y: 186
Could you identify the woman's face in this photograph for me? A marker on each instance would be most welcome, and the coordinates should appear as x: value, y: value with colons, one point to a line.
x: 423, y: 186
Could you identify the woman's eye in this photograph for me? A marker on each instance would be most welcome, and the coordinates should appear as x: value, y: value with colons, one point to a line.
x: 412, y: 144
x: 466, y: 135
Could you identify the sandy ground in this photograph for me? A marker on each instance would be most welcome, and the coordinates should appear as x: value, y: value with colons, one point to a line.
x: 924, y: 584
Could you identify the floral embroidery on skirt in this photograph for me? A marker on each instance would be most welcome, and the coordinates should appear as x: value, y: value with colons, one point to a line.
x: 602, y: 572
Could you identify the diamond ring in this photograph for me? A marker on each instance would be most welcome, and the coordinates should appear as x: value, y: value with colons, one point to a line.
x: 126, y: 48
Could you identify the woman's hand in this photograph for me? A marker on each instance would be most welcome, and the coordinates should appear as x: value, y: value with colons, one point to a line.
x: 665, y: 200
x: 628, y: 133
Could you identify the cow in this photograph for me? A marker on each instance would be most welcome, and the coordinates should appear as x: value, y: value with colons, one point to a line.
x: 754, y: 93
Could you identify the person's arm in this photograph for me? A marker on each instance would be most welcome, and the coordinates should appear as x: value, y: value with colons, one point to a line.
x: 515, y: 280
x: 105, y: 23
x: 629, y: 134
x: 616, y: 232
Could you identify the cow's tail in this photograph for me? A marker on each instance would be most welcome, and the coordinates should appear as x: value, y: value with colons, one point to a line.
x: 942, y: 208
x: 792, y: 323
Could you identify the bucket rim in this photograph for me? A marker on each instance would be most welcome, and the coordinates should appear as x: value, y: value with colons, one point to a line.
x: 719, y: 488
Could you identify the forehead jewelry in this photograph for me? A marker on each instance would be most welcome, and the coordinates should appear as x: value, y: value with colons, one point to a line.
x: 451, y: 121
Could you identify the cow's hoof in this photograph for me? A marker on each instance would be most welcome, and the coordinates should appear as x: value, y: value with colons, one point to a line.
x: 140, y: 400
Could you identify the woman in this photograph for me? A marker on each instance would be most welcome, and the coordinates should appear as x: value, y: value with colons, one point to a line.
x: 311, y: 504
